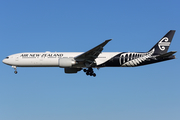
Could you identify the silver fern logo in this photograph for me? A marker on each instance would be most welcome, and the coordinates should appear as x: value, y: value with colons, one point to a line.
x: 164, y: 42
x: 134, y: 59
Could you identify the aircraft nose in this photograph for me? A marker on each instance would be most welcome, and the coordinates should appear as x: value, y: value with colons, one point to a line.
x: 4, y: 61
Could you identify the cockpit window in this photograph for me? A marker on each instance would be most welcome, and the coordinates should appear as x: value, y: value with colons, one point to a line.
x: 7, y: 57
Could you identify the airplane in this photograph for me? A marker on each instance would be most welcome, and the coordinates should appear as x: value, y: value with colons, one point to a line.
x: 72, y: 62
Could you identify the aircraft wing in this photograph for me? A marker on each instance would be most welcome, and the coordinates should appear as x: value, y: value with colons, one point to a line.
x: 91, y: 55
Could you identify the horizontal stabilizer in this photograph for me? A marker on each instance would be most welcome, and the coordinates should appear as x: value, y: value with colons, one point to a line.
x: 166, y: 54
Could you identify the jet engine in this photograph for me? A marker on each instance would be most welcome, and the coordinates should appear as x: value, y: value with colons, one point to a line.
x: 66, y: 62
x: 72, y: 70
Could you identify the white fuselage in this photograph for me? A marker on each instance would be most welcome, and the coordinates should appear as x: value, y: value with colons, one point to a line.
x: 49, y: 59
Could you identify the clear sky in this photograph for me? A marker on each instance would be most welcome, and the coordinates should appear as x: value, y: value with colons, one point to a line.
x: 149, y: 92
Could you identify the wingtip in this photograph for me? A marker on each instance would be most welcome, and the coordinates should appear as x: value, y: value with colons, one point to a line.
x: 108, y: 40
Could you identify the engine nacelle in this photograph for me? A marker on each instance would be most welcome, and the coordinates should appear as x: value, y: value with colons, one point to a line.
x: 72, y: 70
x: 66, y: 62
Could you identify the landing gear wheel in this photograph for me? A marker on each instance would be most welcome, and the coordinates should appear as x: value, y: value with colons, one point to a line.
x: 94, y: 75
x: 87, y: 73
x: 15, y: 68
x: 84, y: 70
x: 90, y: 72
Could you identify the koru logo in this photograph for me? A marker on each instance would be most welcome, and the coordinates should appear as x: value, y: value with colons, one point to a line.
x: 164, y: 42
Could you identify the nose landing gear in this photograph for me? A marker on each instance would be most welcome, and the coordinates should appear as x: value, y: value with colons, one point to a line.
x: 90, y: 72
x: 15, y: 68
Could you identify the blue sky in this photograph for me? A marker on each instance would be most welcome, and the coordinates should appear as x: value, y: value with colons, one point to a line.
x: 149, y: 92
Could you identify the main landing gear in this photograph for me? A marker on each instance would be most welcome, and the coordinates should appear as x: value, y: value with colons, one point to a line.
x: 15, y: 69
x: 90, y: 72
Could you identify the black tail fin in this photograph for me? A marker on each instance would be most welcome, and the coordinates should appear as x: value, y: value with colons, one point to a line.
x: 163, y: 45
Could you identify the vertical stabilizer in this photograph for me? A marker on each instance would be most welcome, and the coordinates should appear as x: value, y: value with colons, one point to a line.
x: 163, y: 45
